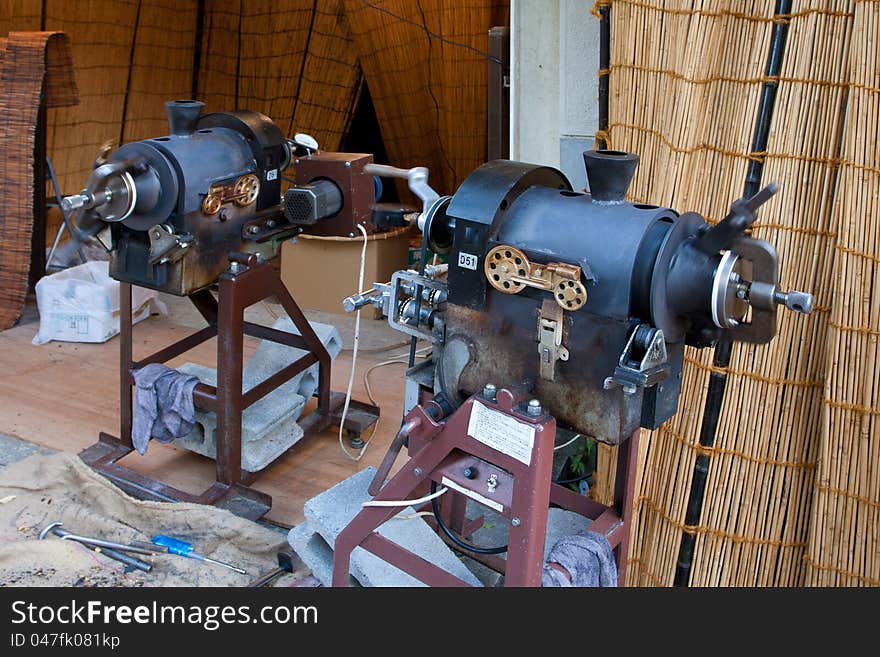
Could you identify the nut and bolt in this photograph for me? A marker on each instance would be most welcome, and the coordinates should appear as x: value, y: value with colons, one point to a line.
x: 417, y: 472
x: 348, y: 165
x: 489, y: 392
x: 271, y: 223
x: 515, y: 521
x: 235, y: 267
x: 253, y: 230
x: 535, y: 409
x: 469, y: 472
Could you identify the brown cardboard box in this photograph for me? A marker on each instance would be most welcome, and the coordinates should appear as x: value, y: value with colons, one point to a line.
x: 321, y: 271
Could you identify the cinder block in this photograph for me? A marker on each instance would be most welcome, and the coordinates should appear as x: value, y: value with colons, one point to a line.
x: 315, y: 553
x: 268, y: 426
x: 331, y: 511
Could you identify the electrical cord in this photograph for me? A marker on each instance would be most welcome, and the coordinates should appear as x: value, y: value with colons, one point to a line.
x: 563, y: 482
x: 354, y: 353
x: 435, y: 507
x: 417, y: 502
x: 566, y: 444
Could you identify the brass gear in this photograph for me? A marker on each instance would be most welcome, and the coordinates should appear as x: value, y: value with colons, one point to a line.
x: 502, y: 264
x: 211, y: 204
x: 246, y: 189
x: 570, y: 294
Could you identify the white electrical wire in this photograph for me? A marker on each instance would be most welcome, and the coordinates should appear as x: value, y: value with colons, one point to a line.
x: 354, y: 353
x: 576, y: 436
x: 418, y: 502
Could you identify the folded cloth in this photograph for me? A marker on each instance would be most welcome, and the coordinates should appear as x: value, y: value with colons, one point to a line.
x: 163, y: 405
x: 586, y: 557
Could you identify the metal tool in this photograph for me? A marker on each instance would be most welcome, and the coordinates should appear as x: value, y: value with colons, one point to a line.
x: 107, y: 548
x: 184, y: 549
x: 285, y: 565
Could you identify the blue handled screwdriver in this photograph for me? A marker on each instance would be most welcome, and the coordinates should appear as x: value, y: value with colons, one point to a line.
x: 184, y: 549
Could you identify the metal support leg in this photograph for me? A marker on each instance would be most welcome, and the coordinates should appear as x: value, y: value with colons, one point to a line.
x: 230, y: 345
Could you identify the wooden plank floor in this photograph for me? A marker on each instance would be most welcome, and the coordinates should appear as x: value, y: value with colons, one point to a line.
x: 61, y: 395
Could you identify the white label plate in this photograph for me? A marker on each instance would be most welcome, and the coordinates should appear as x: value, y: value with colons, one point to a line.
x: 492, y: 504
x: 467, y: 260
x: 272, y: 174
x: 502, y: 433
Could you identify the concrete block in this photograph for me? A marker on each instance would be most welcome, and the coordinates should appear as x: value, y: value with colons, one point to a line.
x: 315, y: 553
x: 255, y: 454
x: 331, y: 511
x: 268, y: 426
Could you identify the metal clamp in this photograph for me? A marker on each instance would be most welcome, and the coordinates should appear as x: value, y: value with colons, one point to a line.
x: 166, y: 246
x: 643, y: 362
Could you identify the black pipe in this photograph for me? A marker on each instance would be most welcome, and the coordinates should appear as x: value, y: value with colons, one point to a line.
x: 604, y: 72
x: 718, y: 379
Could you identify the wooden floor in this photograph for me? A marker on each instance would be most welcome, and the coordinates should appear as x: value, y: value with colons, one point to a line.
x: 61, y: 395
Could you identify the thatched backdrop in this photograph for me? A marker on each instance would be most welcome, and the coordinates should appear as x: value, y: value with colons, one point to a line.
x: 301, y: 62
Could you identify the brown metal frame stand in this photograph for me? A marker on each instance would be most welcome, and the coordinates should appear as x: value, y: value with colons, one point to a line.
x: 253, y: 282
x: 443, y: 452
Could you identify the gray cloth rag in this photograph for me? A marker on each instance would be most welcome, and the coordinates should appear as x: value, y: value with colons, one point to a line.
x: 163, y: 405
x: 586, y: 556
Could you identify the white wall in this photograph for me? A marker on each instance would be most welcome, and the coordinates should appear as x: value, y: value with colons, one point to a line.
x: 554, y: 83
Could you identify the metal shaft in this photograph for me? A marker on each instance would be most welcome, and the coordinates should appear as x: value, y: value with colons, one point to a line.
x: 222, y: 563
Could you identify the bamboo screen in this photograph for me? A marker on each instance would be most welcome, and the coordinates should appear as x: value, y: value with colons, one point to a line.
x: 685, y: 79
x: 845, y: 527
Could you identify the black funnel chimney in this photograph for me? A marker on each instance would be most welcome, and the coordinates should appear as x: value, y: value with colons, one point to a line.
x: 183, y: 115
x: 609, y: 174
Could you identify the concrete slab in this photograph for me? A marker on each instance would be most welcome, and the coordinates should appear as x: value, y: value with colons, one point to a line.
x: 331, y: 511
x: 14, y: 449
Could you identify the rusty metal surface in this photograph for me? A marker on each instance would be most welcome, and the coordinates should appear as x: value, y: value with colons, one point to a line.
x: 503, y: 337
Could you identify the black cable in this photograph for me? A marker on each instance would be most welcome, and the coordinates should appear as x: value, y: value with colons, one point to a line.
x: 431, y: 34
x: 576, y: 480
x: 435, y: 507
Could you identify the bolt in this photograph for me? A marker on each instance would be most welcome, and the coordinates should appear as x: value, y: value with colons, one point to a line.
x: 235, y: 267
x: 223, y: 216
x: 348, y: 165
x: 253, y: 230
x: 535, y: 409
x: 351, y: 234
x: 296, y: 161
x: 417, y: 472
x: 271, y: 223
x: 469, y: 472
x: 489, y: 392
x: 515, y: 521
x: 492, y: 482
x: 740, y: 294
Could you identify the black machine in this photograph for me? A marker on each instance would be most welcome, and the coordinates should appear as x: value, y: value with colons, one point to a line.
x: 589, y: 297
x: 178, y: 205
x: 559, y: 310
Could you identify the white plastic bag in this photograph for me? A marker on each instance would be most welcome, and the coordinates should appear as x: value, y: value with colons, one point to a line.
x: 81, y: 304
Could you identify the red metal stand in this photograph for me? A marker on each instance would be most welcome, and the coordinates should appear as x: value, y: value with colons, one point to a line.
x: 460, y: 453
x: 254, y: 282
